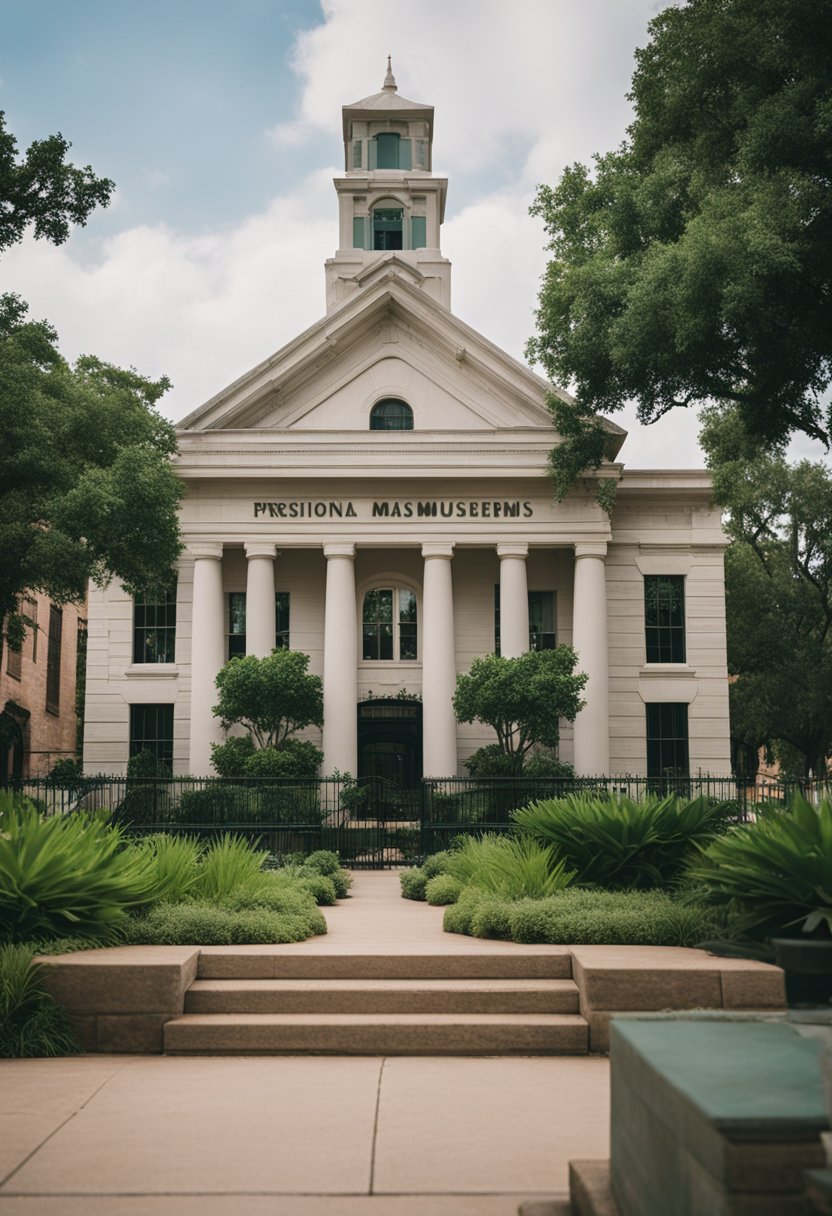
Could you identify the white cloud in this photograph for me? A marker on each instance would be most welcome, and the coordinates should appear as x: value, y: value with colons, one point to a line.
x: 520, y: 91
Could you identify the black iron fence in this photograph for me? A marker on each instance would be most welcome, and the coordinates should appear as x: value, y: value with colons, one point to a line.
x: 371, y: 823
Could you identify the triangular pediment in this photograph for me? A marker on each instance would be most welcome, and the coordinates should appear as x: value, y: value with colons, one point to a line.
x: 389, y: 340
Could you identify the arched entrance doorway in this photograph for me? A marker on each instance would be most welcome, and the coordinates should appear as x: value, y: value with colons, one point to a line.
x: 390, y: 741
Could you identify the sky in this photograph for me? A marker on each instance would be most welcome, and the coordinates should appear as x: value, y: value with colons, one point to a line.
x: 220, y: 123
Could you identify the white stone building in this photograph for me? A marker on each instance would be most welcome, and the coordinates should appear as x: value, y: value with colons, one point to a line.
x: 375, y: 494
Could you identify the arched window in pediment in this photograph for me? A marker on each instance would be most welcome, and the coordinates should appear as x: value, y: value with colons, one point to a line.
x: 391, y: 414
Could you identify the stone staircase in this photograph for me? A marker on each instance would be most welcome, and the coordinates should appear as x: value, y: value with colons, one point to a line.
x: 264, y: 1003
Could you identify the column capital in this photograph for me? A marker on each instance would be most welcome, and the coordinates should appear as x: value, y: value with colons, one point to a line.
x: 591, y: 549
x: 509, y: 549
x: 438, y: 549
x: 258, y: 548
x: 339, y: 549
x: 205, y: 549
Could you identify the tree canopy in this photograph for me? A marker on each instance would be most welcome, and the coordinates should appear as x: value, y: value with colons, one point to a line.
x: 522, y: 698
x: 694, y: 263
x: 272, y: 698
x: 778, y: 572
x: 43, y: 190
x: 86, y: 485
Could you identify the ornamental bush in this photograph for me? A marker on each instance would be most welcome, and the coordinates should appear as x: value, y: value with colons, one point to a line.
x: 613, y: 841
x: 31, y: 1022
x: 67, y: 876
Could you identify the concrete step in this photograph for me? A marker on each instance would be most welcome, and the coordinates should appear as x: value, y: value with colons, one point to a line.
x: 376, y: 1034
x: 281, y: 962
x: 382, y: 996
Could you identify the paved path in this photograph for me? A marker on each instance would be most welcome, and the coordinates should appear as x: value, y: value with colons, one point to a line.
x: 301, y: 1136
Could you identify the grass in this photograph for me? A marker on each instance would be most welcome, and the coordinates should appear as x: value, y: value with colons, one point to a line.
x: 31, y: 1022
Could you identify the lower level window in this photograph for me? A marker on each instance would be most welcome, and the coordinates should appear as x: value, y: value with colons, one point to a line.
x: 667, y: 740
x: 151, y: 730
x: 388, y: 624
x: 541, y: 620
x: 237, y: 622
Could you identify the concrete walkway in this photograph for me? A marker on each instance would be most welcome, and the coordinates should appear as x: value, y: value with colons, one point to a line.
x: 302, y: 1136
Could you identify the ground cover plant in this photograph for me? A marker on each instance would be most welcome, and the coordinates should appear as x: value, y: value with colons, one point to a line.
x: 773, y: 875
x: 578, y: 916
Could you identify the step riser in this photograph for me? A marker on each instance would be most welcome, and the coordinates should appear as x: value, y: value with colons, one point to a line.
x: 370, y: 1002
x: 384, y: 967
x: 377, y: 1040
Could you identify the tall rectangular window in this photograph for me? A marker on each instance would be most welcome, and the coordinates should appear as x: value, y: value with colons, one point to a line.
x: 32, y: 613
x: 53, y: 660
x: 542, y: 615
x: 281, y: 618
x: 664, y: 618
x: 667, y: 740
x: 154, y: 626
x: 151, y: 729
x: 237, y: 622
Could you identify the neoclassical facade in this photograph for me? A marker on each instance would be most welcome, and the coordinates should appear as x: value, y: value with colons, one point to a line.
x: 375, y: 494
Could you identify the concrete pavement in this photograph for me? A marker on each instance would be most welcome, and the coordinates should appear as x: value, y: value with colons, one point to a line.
x: 105, y: 1135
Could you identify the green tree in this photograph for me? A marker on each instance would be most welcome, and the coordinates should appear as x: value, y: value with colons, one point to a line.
x: 778, y: 573
x: 522, y: 699
x: 86, y: 485
x: 694, y: 263
x: 272, y: 698
x: 41, y: 189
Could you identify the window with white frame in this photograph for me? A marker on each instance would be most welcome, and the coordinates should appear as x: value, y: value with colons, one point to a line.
x: 389, y: 626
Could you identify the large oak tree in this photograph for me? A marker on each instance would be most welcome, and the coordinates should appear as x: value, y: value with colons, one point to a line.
x: 695, y: 262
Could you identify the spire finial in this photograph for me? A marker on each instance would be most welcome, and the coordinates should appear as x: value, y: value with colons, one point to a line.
x: 389, y: 85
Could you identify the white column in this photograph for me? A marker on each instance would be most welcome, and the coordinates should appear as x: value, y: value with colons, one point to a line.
x: 260, y: 610
x: 514, y: 600
x: 207, y: 654
x: 438, y: 663
x: 590, y: 640
x: 340, y: 662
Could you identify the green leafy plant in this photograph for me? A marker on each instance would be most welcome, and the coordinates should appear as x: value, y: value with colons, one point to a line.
x: 176, y: 860
x: 508, y: 866
x: 413, y: 883
x: 31, y: 1022
x: 581, y: 917
x: 69, y: 875
x: 210, y: 924
x: 774, y: 873
x: 615, y: 841
x: 443, y: 889
x: 229, y: 863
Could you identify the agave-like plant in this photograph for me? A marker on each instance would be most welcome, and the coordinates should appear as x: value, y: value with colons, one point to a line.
x: 614, y: 841
x: 775, y: 873
x: 229, y: 865
x: 512, y: 867
x: 66, y: 875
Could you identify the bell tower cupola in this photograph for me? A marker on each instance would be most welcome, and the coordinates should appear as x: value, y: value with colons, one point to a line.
x: 391, y: 207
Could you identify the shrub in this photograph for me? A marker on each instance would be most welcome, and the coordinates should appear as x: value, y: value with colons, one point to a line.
x: 615, y: 841
x: 229, y: 758
x: 260, y: 803
x: 145, y: 765
x: 413, y: 883
x: 296, y: 758
x: 324, y: 861
x: 442, y: 889
x: 143, y: 804
x: 775, y: 873
x: 210, y: 924
x: 68, y: 875
x: 31, y: 1023
x: 545, y: 766
x: 583, y: 917
x: 437, y: 863
x: 493, y: 761
x: 507, y: 866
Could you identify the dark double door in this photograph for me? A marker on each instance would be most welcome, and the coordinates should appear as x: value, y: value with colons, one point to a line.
x: 390, y: 742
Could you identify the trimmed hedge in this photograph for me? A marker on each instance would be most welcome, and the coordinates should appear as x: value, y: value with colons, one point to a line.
x: 586, y: 917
